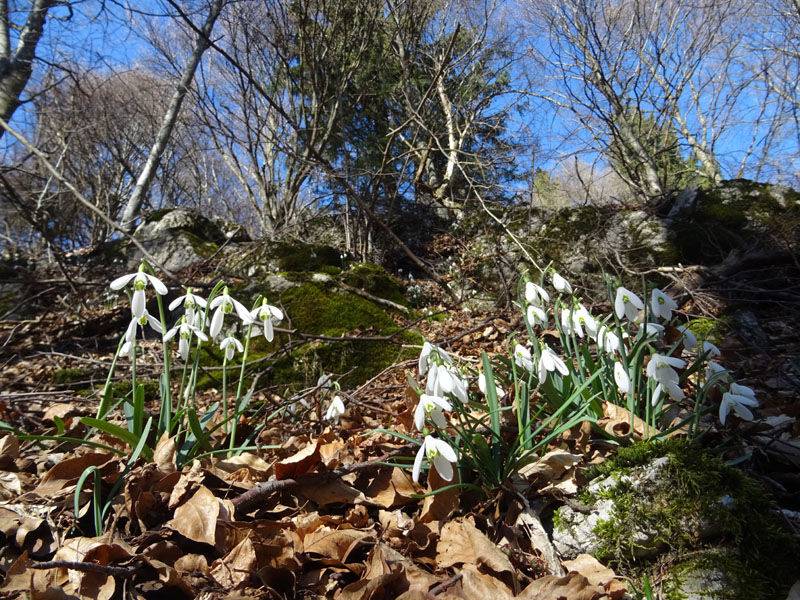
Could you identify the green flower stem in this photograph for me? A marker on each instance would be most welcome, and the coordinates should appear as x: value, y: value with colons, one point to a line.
x: 239, y: 409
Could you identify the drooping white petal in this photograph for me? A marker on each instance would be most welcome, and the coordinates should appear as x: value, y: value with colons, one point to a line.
x: 121, y: 282
x: 662, y: 305
x: 418, y: 462
x: 269, y: 332
x: 138, y: 303
x: 689, y: 339
x: 445, y: 379
x: 423, y: 358
x: 561, y: 284
x: 171, y: 333
x: 158, y: 285
x: 443, y: 467
x: 621, y: 378
x: 216, y: 323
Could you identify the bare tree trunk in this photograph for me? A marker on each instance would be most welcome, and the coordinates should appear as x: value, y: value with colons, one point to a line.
x: 16, y: 69
x: 134, y: 205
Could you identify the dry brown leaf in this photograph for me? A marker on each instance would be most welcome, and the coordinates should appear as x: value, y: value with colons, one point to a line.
x: 478, y: 586
x: 186, y: 484
x: 235, y: 568
x: 550, y: 467
x: 246, y: 467
x: 597, y: 574
x: 617, y: 421
x: 392, y: 487
x: 164, y: 454
x: 572, y: 586
x: 197, y: 518
x: 461, y: 543
x: 439, y: 506
x: 298, y: 464
x: 332, y: 492
x: 9, y: 452
x: 19, y: 577
x: 66, y: 473
x: 335, y: 544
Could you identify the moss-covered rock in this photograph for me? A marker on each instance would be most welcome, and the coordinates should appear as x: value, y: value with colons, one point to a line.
x: 375, y: 280
x: 673, y: 497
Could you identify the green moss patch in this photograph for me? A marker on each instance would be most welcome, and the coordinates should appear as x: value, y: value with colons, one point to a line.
x: 696, y: 491
x: 377, y: 281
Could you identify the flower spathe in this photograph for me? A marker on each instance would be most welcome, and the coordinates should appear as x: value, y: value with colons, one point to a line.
x: 440, y: 454
x: 335, y: 409
x: 627, y: 304
x: 224, y: 305
x: 267, y: 315
x: 229, y: 345
x: 431, y: 407
x: 140, y: 279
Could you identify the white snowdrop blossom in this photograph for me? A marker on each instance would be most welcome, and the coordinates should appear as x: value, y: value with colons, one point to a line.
x: 621, y: 378
x: 627, y: 304
x: 662, y: 368
x: 185, y: 330
x: 711, y: 349
x: 431, y: 407
x: 550, y: 361
x: 673, y: 389
x: 325, y: 381
x: 537, y: 316
x: 140, y: 279
x: 662, y: 305
x: 224, y: 305
x: 738, y: 398
x: 607, y: 340
x: 482, y: 386
x: 522, y: 356
x: 127, y: 349
x: 230, y: 344
x: 654, y: 330
x: 335, y: 410
x: 428, y: 357
x: 586, y: 319
x: 443, y: 379
x: 715, y: 371
x: 576, y: 319
x: 144, y: 319
x: 267, y: 315
x: 561, y: 284
x: 190, y: 302
x: 535, y: 294
x: 689, y: 340
x: 440, y: 454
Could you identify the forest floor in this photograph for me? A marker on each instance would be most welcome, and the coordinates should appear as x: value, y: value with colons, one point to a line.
x: 315, y: 512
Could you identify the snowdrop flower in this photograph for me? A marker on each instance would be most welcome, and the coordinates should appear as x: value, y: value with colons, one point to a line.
x: 325, y: 381
x: 586, y: 319
x: 607, y: 340
x: 427, y: 357
x: 715, y: 371
x: 662, y: 305
x: 186, y: 330
x: 335, y: 410
x: 550, y: 361
x: 482, y: 386
x: 432, y: 407
x: 224, y: 305
x: 144, y: 319
x: 654, y: 330
x: 621, y: 377
x: 561, y: 284
x: 127, y: 350
x: 689, y: 340
x: 140, y: 280
x: 522, y: 356
x: 537, y: 316
x: 627, y: 304
x: 738, y: 398
x: 535, y: 294
x: 442, y: 380
x: 440, y: 454
x: 190, y: 304
x: 229, y: 344
x: 661, y: 368
x: 673, y: 389
x: 710, y: 349
x: 267, y: 314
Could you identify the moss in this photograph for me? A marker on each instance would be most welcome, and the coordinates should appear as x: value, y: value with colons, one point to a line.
x: 304, y: 257
x: 68, y: 376
x: 718, y: 574
x: 734, y: 216
x: 377, y: 281
x: 152, y: 391
x: 201, y: 246
x: 687, y: 497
